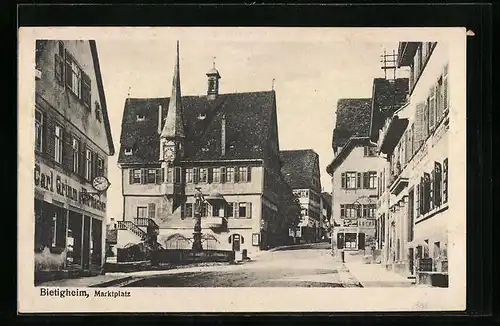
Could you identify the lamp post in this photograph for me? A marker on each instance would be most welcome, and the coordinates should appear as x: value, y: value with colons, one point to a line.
x: 199, y: 200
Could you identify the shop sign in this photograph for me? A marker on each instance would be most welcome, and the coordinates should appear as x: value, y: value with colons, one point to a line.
x: 350, y: 222
x: 363, y: 222
x: 347, y: 230
x: 49, y: 180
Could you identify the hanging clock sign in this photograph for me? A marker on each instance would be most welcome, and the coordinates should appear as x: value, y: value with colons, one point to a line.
x: 101, y: 184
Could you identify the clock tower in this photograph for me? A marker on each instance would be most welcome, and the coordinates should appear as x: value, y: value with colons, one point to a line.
x: 172, y: 135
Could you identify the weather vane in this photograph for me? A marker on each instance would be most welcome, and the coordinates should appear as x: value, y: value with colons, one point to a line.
x: 129, y: 88
x: 272, y: 86
x: 213, y: 61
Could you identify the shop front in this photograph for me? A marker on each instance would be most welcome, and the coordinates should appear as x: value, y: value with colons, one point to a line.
x: 69, y: 228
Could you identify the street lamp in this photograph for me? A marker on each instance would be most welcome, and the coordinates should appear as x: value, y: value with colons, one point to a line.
x: 199, y: 200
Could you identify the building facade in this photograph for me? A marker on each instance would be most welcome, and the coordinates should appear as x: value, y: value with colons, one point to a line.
x: 326, y: 215
x: 354, y: 177
x: 172, y: 146
x: 415, y: 143
x: 72, y: 145
x: 300, y: 168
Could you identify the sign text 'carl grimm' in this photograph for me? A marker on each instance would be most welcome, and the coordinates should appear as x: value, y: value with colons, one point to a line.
x: 53, y: 182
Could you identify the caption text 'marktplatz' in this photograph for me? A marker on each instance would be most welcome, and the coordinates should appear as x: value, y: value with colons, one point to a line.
x: 64, y: 293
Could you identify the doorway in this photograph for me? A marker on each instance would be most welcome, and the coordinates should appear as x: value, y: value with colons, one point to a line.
x: 86, y: 243
x: 236, y: 242
x: 411, y: 259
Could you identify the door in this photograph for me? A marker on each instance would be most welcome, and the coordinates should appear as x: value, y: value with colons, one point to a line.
x: 86, y: 243
x: 340, y: 240
x: 361, y: 241
x: 236, y: 242
x: 411, y: 261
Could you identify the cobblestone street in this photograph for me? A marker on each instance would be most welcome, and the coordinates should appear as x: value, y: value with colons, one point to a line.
x: 286, y: 268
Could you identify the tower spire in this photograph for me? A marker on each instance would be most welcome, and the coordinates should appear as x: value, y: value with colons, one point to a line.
x: 174, y: 126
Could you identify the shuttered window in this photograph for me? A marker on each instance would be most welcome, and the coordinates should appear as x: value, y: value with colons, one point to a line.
x: 439, y: 100
x: 446, y: 96
x: 245, y: 210
x: 136, y: 175
x: 38, y: 130
x: 195, y: 175
x: 159, y: 176
x: 372, y: 179
x: 437, y: 183
x: 229, y: 210
x: 236, y: 174
x: 189, y: 175
x: 230, y: 174
x: 445, y: 180
x: 235, y: 210
x: 216, y: 175
x: 365, y: 180
x: 170, y: 174
x: 178, y: 174
x: 351, y: 180
x: 142, y: 212
x: 342, y: 210
x: 343, y: 181
x: 432, y: 109
x: 151, y: 176
x: 151, y: 210
x: 88, y: 164
x: 425, y: 132
x: 203, y: 175
x: 58, y: 143
x: 223, y: 175
x: 358, y: 180
x: 418, y: 136
x: 75, y: 145
x: 86, y: 90
x: 417, y: 200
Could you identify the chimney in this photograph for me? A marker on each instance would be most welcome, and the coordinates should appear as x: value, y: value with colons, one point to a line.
x: 159, y: 118
x: 223, y: 135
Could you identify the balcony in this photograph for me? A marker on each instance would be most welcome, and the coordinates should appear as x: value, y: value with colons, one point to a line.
x: 397, y: 181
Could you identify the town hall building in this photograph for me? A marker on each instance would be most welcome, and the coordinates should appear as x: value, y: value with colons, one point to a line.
x: 225, y: 145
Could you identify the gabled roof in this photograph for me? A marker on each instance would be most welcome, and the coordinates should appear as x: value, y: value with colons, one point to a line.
x: 388, y: 96
x: 248, y: 117
x: 352, y: 120
x: 100, y: 88
x: 298, y: 168
x: 352, y: 143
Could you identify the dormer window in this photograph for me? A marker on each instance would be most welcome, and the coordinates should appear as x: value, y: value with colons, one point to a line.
x: 141, y: 117
x: 202, y: 116
x: 128, y: 151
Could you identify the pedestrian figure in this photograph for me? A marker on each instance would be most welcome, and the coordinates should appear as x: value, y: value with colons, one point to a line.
x: 342, y: 254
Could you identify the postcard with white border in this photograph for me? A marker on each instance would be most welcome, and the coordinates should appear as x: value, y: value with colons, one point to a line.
x: 259, y: 169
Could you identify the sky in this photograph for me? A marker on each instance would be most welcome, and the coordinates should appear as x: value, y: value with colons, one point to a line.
x: 311, y: 71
